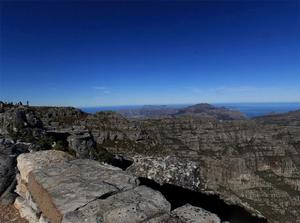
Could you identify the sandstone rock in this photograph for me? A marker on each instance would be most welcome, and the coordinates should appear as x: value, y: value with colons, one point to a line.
x: 132, y: 206
x: 82, y: 144
x: 65, y: 187
x: 38, y: 160
x: 25, y: 210
x: 169, y: 169
x: 43, y: 219
x: 21, y: 188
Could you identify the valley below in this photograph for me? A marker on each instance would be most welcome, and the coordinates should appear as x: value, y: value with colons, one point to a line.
x: 237, y: 169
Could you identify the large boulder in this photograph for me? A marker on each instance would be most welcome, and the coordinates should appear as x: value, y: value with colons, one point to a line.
x: 168, y: 169
x: 68, y: 186
x: 28, y: 162
x: 38, y: 160
x: 132, y: 206
x: 82, y: 144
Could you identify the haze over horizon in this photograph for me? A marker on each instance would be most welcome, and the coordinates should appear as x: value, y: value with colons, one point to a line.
x: 134, y: 53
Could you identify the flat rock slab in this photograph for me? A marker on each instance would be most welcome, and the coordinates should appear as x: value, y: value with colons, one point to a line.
x: 192, y: 214
x: 186, y: 214
x: 132, y: 206
x: 67, y: 186
x: 38, y: 160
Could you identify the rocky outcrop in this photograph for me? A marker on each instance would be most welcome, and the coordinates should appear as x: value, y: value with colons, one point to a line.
x: 19, y: 123
x: 58, y: 117
x: 81, y: 190
x: 26, y: 163
x: 68, y: 186
x: 168, y: 169
x: 253, y: 165
x: 82, y: 144
x: 38, y: 160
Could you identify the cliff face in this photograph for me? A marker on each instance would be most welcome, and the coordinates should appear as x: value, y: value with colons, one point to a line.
x: 251, y: 164
x: 247, y: 162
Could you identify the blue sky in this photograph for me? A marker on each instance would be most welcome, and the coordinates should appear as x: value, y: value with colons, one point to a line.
x: 126, y: 53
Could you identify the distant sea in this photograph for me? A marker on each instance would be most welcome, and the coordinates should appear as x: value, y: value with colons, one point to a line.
x: 250, y: 109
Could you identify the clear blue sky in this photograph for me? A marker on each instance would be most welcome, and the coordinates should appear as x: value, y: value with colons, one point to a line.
x: 101, y: 53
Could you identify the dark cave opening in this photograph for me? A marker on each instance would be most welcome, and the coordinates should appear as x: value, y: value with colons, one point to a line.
x: 120, y: 161
x: 58, y: 136
x: 179, y: 196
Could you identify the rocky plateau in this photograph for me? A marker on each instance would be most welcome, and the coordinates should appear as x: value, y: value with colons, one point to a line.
x: 245, y: 166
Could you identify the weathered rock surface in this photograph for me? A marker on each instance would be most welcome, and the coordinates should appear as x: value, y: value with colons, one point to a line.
x: 135, y: 205
x: 82, y: 190
x: 186, y: 214
x: 26, y: 163
x: 25, y: 210
x: 67, y: 186
x: 191, y: 214
x: 38, y: 160
x: 82, y: 144
x: 168, y: 169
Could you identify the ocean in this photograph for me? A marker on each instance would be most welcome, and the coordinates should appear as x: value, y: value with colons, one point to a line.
x: 250, y: 109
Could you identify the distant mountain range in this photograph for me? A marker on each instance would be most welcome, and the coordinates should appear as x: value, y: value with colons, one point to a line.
x: 291, y: 118
x: 201, y: 110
